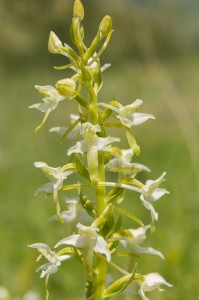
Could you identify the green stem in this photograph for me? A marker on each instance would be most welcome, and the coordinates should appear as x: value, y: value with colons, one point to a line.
x: 101, y: 265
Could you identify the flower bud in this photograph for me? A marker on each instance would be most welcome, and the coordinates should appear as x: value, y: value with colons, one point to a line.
x: 78, y: 10
x: 105, y: 25
x: 66, y: 87
x: 54, y: 43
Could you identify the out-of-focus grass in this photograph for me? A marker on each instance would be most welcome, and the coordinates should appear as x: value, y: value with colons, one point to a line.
x: 164, y: 148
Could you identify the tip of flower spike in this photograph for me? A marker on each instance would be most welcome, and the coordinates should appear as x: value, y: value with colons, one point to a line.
x: 66, y: 87
x: 105, y: 25
x: 54, y: 43
x: 78, y: 10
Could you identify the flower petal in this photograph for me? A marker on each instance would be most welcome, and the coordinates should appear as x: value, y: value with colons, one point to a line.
x: 43, y: 107
x: 46, y: 188
x: 71, y: 240
x: 142, y: 250
x: 102, y: 247
x: 40, y: 246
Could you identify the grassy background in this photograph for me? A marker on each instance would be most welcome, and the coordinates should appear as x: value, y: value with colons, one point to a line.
x: 154, y: 53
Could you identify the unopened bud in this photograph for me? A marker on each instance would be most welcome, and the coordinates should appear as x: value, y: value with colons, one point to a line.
x: 78, y: 10
x: 54, y: 43
x: 105, y: 25
x: 66, y: 87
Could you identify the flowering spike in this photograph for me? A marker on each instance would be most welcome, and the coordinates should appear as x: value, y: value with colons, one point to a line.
x: 95, y: 219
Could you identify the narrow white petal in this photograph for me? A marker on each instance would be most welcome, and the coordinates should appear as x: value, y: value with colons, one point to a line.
x: 59, y: 130
x: 139, y: 118
x: 43, y: 107
x: 142, y: 294
x: 40, y: 246
x: 153, y: 280
x: 79, y: 147
x: 64, y: 257
x: 150, y: 207
x: 147, y: 250
x: 46, y: 188
x: 103, y: 142
x: 70, y: 240
x: 158, y: 193
x: 46, y: 89
x: 102, y: 247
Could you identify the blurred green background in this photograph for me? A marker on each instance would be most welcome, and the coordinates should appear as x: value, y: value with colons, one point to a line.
x: 155, y: 57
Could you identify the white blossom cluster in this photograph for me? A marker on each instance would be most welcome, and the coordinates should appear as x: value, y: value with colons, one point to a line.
x: 95, y: 228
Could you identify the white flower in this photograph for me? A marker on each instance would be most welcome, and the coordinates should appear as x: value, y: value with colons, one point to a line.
x: 151, y: 193
x: 91, y: 144
x: 50, y: 101
x: 54, y: 260
x: 75, y: 131
x: 31, y: 295
x: 56, y: 177
x: 73, y: 214
x: 87, y: 238
x: 90, y: 241
x: 122, y: 160
x: 134, y: 237
x: 128, y: 115
x: 4, y: 293
x: 151, y: 282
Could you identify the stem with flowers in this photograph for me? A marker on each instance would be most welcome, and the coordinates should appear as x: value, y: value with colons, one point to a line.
x: 97, y: 234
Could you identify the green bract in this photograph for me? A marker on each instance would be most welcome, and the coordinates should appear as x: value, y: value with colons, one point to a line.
x: 91, y: 152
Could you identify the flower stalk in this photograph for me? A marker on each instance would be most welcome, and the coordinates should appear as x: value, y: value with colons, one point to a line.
x: 97, y: 233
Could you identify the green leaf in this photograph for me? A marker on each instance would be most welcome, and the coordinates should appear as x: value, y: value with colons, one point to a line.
x: 109, y: 221
x: 118, y: 286
x: 80, y: 167
x: 114, y: 194
x: 132, y: 142
x: 87, y: 205
x: 128, y: 214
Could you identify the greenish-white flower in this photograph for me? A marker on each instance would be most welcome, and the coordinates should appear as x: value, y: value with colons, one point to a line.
x: 151, y: 282
x: 122, y: 161
x: 50, y: 101
x: 128, y: 115
x: 151, y: 193
x: 4, y: 293
x: 56, y: 177
x: 54, y: 260
x: 75, y: 131
x: 132, y: 238
x: 87, y: 238
x: 89, y: 241
x: 105, y: 25
x: 66, y: 87
x: 54, y: 44
x: 31, y: 295
x: 74, y: 213
x: 78, y: 10
x: 91, y: 144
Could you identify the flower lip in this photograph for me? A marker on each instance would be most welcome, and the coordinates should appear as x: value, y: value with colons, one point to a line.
x: 151, y: 282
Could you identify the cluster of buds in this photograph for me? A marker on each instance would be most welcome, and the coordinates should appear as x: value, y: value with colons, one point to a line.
x: 96, y: 229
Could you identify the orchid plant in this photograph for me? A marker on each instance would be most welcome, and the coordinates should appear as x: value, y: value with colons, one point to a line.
x: 97, y: 234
